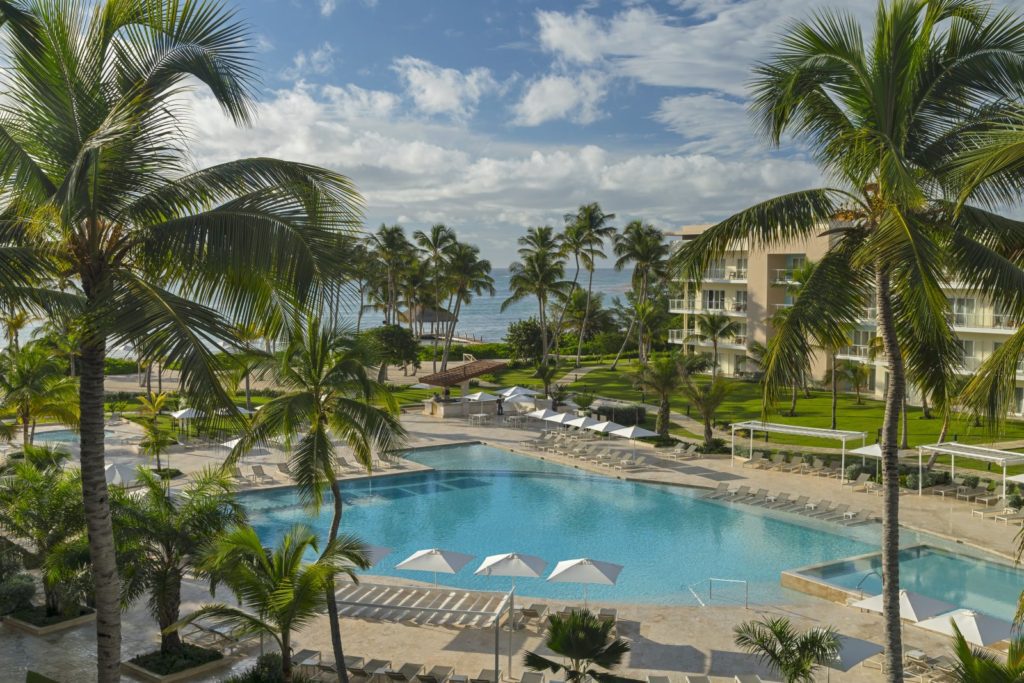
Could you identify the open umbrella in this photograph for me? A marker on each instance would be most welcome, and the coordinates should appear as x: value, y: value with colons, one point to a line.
x: 120, y: 474
x: 512, y: 564
x: 187, y: 414
x: 978, y: 629
x: 436, y: 561
x: 605, y: 427
x: 913, y: 606
x: 581, y: 422
x: 633, y: 433
x: 518, y: 391
x: 481, y: 396
x: 542, y: 414
x: 853, y: 651
x: 419, y: 385
x: 559, y: 418
x: 584, y: 570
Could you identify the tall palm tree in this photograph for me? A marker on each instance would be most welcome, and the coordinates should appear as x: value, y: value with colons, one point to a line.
x: 642, y: 245
x: 586, y: 643
x: 707, y: 398
x: 14, y: 321
x: 34, y: 384
x: 886, y: 119
x: 436, y: 246
x: 791, y: 654
x: 585, y: 234
x: 391, y: 247
x: 663, y: 377
x: 468, y: 274
x: 538, y: 273
x: 283, y: 592
x: 163, y: 536
x: 328, y: 397
x: 713, y: 327
x: 98, y: 182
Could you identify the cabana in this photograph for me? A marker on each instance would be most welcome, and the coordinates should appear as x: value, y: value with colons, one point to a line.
x: 1002, y: 458
x: 796, y: 430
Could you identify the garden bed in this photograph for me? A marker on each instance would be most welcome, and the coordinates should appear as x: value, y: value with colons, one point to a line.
x: 192, y: 662
x: 36, y: 622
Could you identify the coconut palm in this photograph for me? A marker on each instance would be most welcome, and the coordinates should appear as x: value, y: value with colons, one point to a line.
x: 789, y: 653
x: 538, y: 273
x: 707, y: 398
x: 885, y: 119
x: 34, y: 385
x: 392, y: 249
x: 436, y: 246
x: 661, y: 376
x: 713, y: 328
x: 282, y: 592
x: 98, y: 182
x: 584, y: 237
x: 643, y: 246
x: 468, y: 274
x: 857, y: 374
x: 547, y: 373
x: 162, y: 536
x: 586, y: 643
x: 41, y: 504
x: 156, y: 440
x: 328, y: 397
x: 975, y: 665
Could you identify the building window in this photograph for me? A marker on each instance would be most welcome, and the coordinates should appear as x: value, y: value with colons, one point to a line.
x: 714, y: 299
x: 741, y: 267
x: 741, y: 300
x: 962, y: 310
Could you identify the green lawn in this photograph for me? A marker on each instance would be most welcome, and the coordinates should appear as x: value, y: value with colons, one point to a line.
x: 524, y: 377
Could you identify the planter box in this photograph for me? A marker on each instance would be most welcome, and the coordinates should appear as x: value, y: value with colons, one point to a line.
x: 60, y: 626
x: 138, y: 672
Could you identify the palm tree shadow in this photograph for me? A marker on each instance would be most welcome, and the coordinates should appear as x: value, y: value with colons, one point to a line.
x: 650, y: 654
x: 733, y: 663
x: 481, y: 641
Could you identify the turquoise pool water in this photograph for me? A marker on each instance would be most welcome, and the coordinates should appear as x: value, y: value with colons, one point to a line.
x: 985, y: 586
x: 62, y: 436
x: 482, y: 500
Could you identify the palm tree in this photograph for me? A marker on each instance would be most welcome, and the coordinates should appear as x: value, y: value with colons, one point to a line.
x: 981, y: 666
x: 392, y: 249
x: 886, y: 120
x: 713, y: 327
x: 539, y: 274
x: 644, y: 246
x: 791, y: 654
x: 283, y: 592
x: 328, y: 397
x: 14, y: 321
x: 41, y: 504
x: 34, y: 384
x: 162, y: 536
x: 857, y: 374
x: 97, y: 180
x: 587, y: 645
x: 468, y: 274
x: 663, y: 377
x: 706, y: 397
x: 547, y: 373
x: 156, y: 440
x: 436, y: 245
x: 584, y: 237
x: 250, y: 358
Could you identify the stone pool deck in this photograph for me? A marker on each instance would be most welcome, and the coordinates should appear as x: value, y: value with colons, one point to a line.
x: 667, y: 640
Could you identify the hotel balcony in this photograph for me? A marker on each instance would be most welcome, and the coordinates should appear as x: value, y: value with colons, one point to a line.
x: 731, y: 307
x: 677, y: 336
x: 733, y: 275
x: 738, y: 343
x: 983, y: 322
x: 783, y: 276
x: 856, y: 352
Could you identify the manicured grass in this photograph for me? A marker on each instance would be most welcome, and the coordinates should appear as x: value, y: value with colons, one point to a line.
x: 525, y: 376
x: 744, y: 403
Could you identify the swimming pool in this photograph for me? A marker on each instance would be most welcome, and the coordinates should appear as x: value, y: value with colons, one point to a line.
x: 64, y: 436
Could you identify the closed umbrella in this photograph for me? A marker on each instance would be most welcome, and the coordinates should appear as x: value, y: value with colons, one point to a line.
x: 978, y: 629
x: 586, y: 571
x: 913, y: 606
x: 436, y: 561
x: 120, y: 474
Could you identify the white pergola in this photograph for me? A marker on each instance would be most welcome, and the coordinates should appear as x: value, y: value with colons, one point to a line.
x: 796, y: 430
x: 953, y: 449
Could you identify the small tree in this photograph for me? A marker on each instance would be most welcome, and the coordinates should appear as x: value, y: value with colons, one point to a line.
x: 524, y: 340
x: 156, y: 440
x: 283, y: 592
x: 546, y: 373
x: 395, y: 345
x: 587, y: 645
x: 661, y: 376
x: 706, y: 397
x: 791, y: 654
x: 713, y: 327
x: 162, y: 536
x: 857, y: 374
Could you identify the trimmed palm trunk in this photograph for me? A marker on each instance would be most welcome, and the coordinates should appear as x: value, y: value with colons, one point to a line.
x: 586, y: 315
x: 96, y: 503
x: 332, y: 601
x: 664, y: 415
x: 890, y: 469
x: 168, y: 613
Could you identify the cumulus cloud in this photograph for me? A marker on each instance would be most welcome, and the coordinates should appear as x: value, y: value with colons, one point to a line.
x: 555, y: 96
x: 327, y: 7
x: 439, y: 90
x: 316, y: 62
x: 708, y: 123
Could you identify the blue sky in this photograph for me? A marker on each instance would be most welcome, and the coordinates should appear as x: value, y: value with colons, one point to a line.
x: 494, y: 115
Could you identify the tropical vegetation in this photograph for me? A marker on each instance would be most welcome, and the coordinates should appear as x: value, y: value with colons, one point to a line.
x: 793, y: 655
x: 588, y: 648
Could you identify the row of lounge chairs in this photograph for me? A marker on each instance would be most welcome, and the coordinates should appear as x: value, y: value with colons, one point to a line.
x: 578, y: 449
x: 362, y: 670
x: 688, y: 678
x: 822, y: 510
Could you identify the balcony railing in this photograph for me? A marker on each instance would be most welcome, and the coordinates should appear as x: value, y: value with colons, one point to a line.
x: 784, y: 276
x: 681, y: 305
x: 855, y: 351
x: 676, y: 336
x: 984, y: 320
x: 869, y: 314
x: 738, y: 274
x: 731, y: 273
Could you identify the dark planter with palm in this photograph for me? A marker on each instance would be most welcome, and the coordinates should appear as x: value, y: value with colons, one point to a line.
x: 793, y: 655
x: 587, y: 646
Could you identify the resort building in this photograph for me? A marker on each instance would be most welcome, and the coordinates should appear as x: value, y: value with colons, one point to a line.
x: 752, y: 285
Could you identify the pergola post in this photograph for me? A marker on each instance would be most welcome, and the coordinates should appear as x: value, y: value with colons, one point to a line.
x: 1004, y: 481
x: 842, y: 466
x: 920, y: 474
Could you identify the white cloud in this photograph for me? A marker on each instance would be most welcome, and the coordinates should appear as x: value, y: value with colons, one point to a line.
x: 353, y: 102
x: 317, y: 62
x: 708, y: 123
x: 561, y: 97
x: 327, y: 7
x: 440, y: 90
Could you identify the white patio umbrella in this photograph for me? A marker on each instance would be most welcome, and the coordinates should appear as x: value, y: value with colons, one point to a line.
x: 633, y: 433
x: 605, y: 427
x: 231, y: 444
x: 419, y: 385
x: 518, y: 391
x: 581, y: 422
x: 584, y: 570
x: 559, y: 418
x: 376, y: 553
x: 120, y: 474
x: 512, y: 564
x: 481, y: 396
x: 187, y: 414
x: 436, y: 561
x: 542, y: 414
x: 913, y: 606
x: 521, y: 403
x: 978, y: 629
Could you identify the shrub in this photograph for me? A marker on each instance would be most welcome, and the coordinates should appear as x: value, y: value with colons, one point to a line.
x: 715, y: 446
x: 121, y: 366
x: 623, y: 413
x: 913, y: 481
x: 662, y: 441
x: 1016, y: 501
x: 972, y: 481
x: 267, y: 669
x: 853, y: 471
x: 808, y: 459
x: 173, y: 662
x: 16, y: 593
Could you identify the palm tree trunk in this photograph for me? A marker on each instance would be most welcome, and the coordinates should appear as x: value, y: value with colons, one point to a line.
x: 332, y: 601
x: 890, y: 468
x: 903, y: 420
x: 286, y: 656
x: 170, y: 605
x: 835, y: 391
x: 625, y: 341
x: 664, y: 414
x: 792, y: 401
x: 26, y: 436
x: 96, y: 503
x: 714, y: 357
x: 543, y: 330
x: 709, y: 435
x: 942, y: 431
x: 586, y: 315
x: 248, y: 392
x: 451, y: 334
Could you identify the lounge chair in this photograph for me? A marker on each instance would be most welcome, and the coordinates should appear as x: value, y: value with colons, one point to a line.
x: 862, y: 478
x: 283, y: 468
x: 965, y: 493
x: 781, y: 499
x: 658, y: 679
x: 816, y: 468
x: 639, y: 463
x: 758, y: 496
x: 838, y: 512
x: 948, y: 488
x: 531, y: 677
x: 855, y: 518
x: 438, y: 674
x: 741, y: 492
x: 261, y: 476
x: 747, y: 678
x: 815, y: 508
x: 328, y: 666
x: 534, y: 612
x: 793, y: 506
x: 608, y: 614
x: 405, y: 673
x: 756, y: 460
x: 697, y: 679
x: 1008, y: 518
x: 722, y: 490
x: 486, y: 676
x: 239, y: 478
x: 305, y: 658
x: 993, y: 497
x: 367, y: 670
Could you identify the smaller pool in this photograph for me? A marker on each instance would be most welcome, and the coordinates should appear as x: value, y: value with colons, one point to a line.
x: 64, y: 436
x: 965, y: 581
